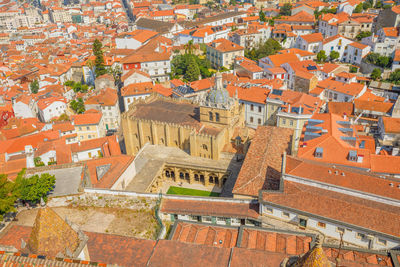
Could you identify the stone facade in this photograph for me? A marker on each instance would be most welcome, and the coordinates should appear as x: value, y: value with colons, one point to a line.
x: 197, y: 127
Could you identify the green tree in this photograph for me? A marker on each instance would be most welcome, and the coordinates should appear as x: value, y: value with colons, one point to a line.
x: 376, y: 74
x: 367, y: 5
x: 383, y: 61
x: 34, y: 86
x: 189, y: 47
x: 261, y: 14
x: 69, y: 83
x: 35, y: 187
x: 78, y: 87
x: 321, y: 56
x: 193, y: 71
x: 63, y: 117
x: 78, y: 106
x: 333, y: 55
x: 378, y: 4
x: 353, y: 69
x: 359, y: 8
x: 38, y: 162
x: 363, y: 34
x: 395, y: 77
x: 8, y: 195
x: 100, y: 69
x: 116, y: 72
x: 286, y: 10
x: 180, y: 64
x: 270, y: 47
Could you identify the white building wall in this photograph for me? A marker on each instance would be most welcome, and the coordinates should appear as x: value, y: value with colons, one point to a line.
x: 131, y: 98
x: 127, y: 43
x: 22, y: 110
x: 55, y: 109
x: 86, y: 155
x: 330, y: 229
x: 254, y: 117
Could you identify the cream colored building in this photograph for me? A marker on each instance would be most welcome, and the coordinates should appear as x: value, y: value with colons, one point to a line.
x: 59, y: 15
x: 107, y: 103
x: 223, y: 52
x: 89, y: 125
x: 202, y: 127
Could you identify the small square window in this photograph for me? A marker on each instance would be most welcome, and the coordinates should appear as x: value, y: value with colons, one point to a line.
x: 360, y: 235
x: 303, y: 222
x: 321, y: 225
x: 286, y: 214
x: 270, y: 210
x: 382, y: 241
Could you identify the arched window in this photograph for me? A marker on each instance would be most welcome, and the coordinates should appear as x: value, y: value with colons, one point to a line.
x: 167, y: 174
x: 210, y: 179
x: 205, y: 147
x: 210, y: 115
x: 216, y: 116
x: 216, y: 180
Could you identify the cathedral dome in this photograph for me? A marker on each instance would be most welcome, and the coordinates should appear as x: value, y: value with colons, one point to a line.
x: 218, y: 95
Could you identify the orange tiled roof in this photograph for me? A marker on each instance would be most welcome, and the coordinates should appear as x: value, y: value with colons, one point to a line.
x: 92, y: 117
x: 224, y: 45
x: 329, y: 204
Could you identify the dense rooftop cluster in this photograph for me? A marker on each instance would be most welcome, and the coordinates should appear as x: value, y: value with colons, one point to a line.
x: 289, y: 111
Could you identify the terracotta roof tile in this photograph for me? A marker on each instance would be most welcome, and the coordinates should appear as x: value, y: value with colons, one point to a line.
x: 236, y: 210
x: 262, y: 166
x: 341, y: 207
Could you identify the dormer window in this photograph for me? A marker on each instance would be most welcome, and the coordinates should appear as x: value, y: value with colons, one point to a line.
x: 318, y: 152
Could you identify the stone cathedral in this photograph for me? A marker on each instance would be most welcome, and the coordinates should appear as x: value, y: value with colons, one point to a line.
x: 202, y: 127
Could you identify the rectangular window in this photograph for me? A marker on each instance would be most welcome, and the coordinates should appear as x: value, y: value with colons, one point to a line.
x: 252, y: 107
x: 291, y: 122
x: 269, y: 210
x: 251, y: 119
x: 283, y: 121
x: 286, y: 214
x: 360, y: 235
x: 303, y: 222
x: 259, y: 109
x: 321, y: 225
x: 382, y: 241
x: 87, y: 128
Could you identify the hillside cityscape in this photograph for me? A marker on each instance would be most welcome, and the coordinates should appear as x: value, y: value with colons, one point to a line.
x: 180, y: 133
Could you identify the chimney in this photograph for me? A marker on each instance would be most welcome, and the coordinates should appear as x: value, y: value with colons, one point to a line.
x: 30, y: 162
